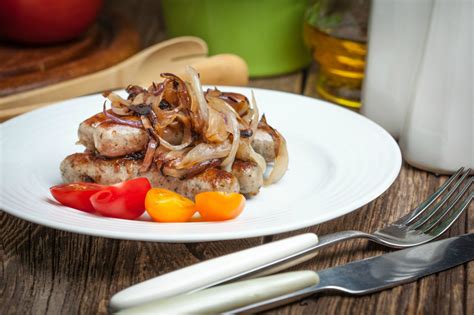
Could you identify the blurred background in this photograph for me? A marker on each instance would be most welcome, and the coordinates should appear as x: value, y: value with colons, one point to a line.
x: 274, y: 37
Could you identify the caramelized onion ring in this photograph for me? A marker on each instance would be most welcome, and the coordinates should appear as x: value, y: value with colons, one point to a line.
x: 201, y: 167
x: 203, y: 152
x: 281, y: 162
x: 233, y: 127
x: 131, y: 123
x: 150, y: 153
x: 254, y: 114
x: 187, y: 135
x: 273, y: 133
x: 201, y: 110
x: 156, y: 89
x: 247, y: 153
x: 183, y: 94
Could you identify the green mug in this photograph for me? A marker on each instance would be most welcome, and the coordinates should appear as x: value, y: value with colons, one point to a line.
x: 266, y: 33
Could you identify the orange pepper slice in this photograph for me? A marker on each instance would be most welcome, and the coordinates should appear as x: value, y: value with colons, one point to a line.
x: 167, y: 206
x: 219, y: 206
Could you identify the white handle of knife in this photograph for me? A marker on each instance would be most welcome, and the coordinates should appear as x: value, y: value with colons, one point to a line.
x: 211, y: 271
x: 230, y: 296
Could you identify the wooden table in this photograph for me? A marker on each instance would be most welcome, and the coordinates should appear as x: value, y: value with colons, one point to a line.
x: 47, y: 271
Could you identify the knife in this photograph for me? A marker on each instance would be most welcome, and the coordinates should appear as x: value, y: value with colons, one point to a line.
x: 359, y: 277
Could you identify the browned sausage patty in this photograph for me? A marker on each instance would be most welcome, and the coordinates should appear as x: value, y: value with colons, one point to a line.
x: 87, y: 167
x: 263, y: 144
x: 246, y: 177
x: 249, y: 175
x: 109, y: 138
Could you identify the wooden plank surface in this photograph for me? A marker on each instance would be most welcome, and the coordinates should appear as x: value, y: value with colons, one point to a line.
x: 109, y: 42
x: 46, y: 271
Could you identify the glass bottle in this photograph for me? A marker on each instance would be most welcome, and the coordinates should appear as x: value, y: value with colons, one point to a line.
x: 336, y: 31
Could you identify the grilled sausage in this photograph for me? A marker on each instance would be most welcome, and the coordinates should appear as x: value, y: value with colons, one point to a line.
x: 113, y: 140
x: 249, y: 175
x: 109, y: 138
x: 88, y: 167
x: 263, y: 144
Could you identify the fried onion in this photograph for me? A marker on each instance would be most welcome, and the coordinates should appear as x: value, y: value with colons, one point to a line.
x: 203, y: 152
x: 131, y: 123
x: 281, y: 162
x: 190, y: 131
x: 150, y: 153
x: 199, y: 107
x: 247, y: 153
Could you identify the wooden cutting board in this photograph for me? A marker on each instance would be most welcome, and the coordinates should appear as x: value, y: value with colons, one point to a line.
x: 22, y: 68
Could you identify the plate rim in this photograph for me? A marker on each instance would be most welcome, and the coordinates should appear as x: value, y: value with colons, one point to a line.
x: 208, y: 237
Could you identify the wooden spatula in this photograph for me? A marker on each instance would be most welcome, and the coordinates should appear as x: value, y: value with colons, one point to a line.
x: 142, y: 69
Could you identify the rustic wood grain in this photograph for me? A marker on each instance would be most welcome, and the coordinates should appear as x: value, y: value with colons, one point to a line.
x: 20, y: 59
x: 55, y: 272
x: 47, y: 271
x: 112, y: 40
x: 289, y: 83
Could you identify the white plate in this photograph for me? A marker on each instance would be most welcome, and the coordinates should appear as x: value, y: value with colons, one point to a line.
x: 339, y: 161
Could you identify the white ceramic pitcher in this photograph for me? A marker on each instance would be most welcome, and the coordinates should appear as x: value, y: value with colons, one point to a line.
x: 419, y: 79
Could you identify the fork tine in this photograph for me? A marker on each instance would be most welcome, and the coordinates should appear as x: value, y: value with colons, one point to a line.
x: 447, y: 223
x: 451, y: 206
x: 441, y: 203
x: 415, y: 213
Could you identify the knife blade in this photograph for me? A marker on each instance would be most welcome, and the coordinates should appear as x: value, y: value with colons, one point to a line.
x: 359, y: 277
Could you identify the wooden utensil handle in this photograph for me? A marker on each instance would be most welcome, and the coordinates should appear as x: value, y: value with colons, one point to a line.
x: 99, y: 81
x: 223, y: 69
x: 117, y: 76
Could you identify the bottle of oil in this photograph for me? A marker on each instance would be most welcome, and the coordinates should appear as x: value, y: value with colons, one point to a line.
x: 336, y: 31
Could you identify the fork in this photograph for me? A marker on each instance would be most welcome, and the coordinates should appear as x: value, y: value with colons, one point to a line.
x: 423, y: 224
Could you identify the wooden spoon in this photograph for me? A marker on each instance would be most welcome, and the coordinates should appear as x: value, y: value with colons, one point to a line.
x: 141, y: 69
